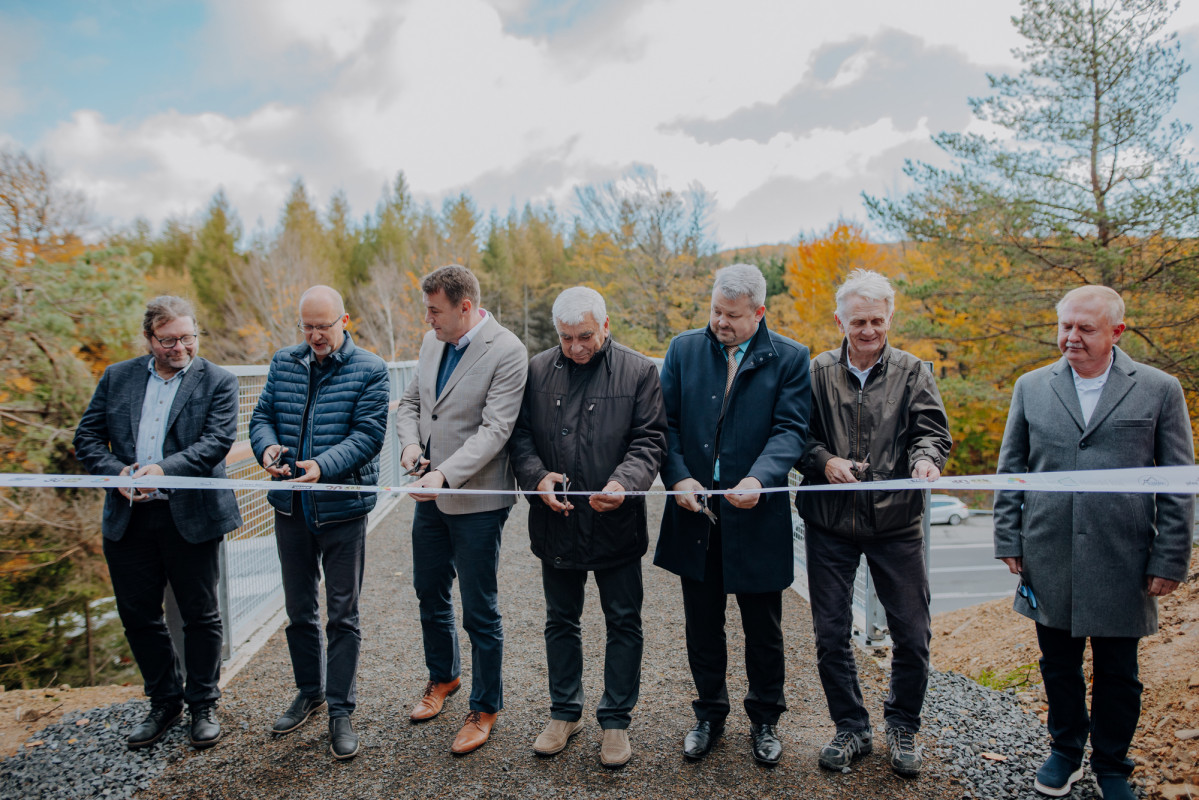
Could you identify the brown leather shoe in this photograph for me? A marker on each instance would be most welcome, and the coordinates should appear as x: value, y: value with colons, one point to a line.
x: 435, y: 695
x: 475, y: 732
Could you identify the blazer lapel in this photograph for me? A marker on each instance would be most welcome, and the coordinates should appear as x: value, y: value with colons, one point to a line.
x: 191, y: 379
x: 1063, y: 386
x: 1118, y: 384
x: 474, y: 351
x: 135, y: 391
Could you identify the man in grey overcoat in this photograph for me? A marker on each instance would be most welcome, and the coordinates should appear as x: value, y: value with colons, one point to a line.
x: 1092, y: 565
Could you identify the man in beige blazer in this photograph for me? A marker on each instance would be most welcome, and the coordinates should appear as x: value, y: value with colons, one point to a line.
x: 454, y: 422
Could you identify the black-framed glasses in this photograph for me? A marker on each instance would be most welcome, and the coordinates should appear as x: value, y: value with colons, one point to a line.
x: 170, y: 341
x: 1025, y: 591
x: 306, y: 328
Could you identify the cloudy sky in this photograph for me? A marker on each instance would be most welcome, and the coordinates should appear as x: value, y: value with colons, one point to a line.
x: 785, y: 110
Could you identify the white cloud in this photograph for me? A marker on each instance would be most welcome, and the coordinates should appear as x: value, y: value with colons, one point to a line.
x: 441, y: 90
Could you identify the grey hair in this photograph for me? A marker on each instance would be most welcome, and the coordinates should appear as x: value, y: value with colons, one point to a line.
x: 166, y: 308
x: 741, y: 280
x: 1110, y: 297
x: 868, y: 285
x: 577, y: 302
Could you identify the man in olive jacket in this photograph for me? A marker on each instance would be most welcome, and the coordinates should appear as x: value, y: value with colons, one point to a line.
x: 592, y: 420
x: 1094, y: 563
x: 737, y: 401
x: 876, y: 415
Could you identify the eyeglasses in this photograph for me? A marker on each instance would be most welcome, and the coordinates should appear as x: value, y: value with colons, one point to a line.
x: 171, y: 341
x: 314, y: 328
x: 1025, y: 591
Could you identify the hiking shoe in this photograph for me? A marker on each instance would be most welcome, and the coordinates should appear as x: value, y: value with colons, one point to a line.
x: 1057, y: 776
x: 845, y: 747
x: 905, y: 755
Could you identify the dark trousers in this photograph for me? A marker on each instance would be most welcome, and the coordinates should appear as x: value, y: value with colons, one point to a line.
x: 141, y: 563
x: 466, y: 546
x: 704, y: 604
x: 1115, y: 697
x: 901, y: 580
x: 621, y: 592
x: 340, y: 551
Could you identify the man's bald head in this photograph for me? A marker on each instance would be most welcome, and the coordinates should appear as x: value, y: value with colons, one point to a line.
x: 323, y: 320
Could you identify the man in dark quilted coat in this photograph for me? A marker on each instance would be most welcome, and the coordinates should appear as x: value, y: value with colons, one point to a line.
x: 321, y: 418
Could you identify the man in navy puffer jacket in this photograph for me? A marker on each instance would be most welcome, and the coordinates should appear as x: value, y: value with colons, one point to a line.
x: 321, y: 418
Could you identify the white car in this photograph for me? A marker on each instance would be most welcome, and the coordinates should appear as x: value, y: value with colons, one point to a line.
x: 947, y: 509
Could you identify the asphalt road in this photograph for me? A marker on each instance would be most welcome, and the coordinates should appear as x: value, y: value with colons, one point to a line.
x: 962, y: 569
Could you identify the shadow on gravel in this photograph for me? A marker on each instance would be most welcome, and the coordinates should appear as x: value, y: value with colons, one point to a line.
x: 400, y: 759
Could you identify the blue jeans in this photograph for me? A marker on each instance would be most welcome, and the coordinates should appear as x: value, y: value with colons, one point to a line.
x: 621, y: 591
x: 466, y: 546
x: 339, y: 550
x: 1115, y: 697
x: 897, y: 568
x: 140, y: 563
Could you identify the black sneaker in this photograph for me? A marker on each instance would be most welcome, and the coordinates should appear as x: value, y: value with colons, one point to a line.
x: 161, y: 717
x: 845, y: 747
x: 205, y: 729
x: 905, y: 755
x: 299, y: 712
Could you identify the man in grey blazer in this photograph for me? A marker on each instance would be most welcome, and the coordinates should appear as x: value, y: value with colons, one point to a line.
x: 169, y: 413
x: 454, y: 422
x: 1093, y: 565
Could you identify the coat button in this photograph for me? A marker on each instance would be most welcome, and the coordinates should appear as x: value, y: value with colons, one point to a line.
x: 557, y: 560
x: 565, y: 431
x: 434, y: 417
x: 1082, y: 445
x: 705, y: 447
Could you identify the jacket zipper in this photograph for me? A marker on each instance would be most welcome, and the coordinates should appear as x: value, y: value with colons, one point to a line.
x: 858, y: 451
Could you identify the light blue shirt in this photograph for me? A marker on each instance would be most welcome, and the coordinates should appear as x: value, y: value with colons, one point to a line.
x: 156, y: 410
x: 738, y: 354
x: 464, y: 340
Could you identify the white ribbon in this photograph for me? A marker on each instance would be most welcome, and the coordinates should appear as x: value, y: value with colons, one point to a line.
x: 1139, y: 480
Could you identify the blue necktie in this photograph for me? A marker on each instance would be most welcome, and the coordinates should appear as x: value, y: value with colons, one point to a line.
x: 449, y: 360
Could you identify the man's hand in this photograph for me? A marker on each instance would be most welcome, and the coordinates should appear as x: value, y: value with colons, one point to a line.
x: 746, y: 493
x: 841, y: 470
x: 271, y: 461
x: 688, y: 501
x: 413, y: 462
x: 1015, y: 564
x: 546, y: 487
x: 434, y: 480
x: 1160, y: 587
x: 133, y: 495
x: 312, y: 472
x: 609, y: 499
x: 925, y: 470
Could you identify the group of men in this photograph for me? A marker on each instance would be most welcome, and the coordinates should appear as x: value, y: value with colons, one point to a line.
x: 585, y: 427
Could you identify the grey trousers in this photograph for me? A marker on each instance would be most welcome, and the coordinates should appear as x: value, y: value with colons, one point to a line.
x: 340, y: 551
x: 621, y: 591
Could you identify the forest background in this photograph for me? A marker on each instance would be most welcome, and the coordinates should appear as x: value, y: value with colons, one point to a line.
x: 1085, y: 181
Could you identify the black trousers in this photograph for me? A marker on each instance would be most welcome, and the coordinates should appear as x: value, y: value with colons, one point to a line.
x: 141, y: 562
x: 704, y: 604
x: 621, y: 592
x: 1115, y: 697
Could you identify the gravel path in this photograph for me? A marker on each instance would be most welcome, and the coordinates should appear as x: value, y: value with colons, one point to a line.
x: 399, y: 759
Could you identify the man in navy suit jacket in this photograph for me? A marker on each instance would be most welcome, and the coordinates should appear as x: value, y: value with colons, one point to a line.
x: 170, y: 413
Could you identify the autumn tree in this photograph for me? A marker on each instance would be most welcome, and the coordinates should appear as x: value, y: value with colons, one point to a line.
x: 650, y: 252
x: 1087, y: 180
x: 212, y: 258
x: 65, y: 314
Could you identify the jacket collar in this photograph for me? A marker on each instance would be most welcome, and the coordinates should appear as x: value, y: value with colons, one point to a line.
x: 1120, y: 381
x: 760, y: 350
x: 303, y: 353
x: 599, y: 360
x: 884, y: 358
